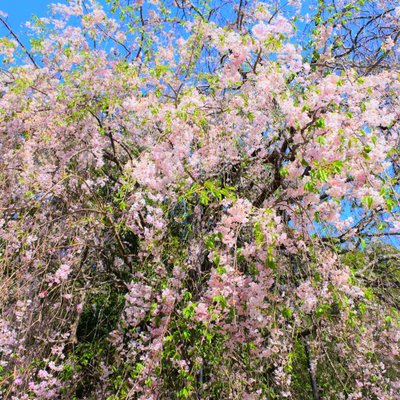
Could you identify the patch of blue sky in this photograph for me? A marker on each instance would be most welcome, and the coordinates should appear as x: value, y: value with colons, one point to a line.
x: 20, y: 11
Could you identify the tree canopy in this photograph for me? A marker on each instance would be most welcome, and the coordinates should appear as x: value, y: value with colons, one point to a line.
x: 200, y: 200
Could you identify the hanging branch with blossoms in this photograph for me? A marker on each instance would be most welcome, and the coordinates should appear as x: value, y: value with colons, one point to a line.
x: 190, y: 195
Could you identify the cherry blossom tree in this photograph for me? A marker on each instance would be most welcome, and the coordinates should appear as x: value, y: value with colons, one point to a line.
x: 192, y: 197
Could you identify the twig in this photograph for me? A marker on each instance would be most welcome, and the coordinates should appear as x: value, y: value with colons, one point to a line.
x: 19, y: 42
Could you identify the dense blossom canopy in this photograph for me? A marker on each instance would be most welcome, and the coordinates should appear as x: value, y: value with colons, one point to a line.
x: 183, y: 185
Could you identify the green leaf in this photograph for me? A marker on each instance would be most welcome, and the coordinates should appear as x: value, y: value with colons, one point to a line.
x: 287, y: 312
x: 320, y: 123
x: 204, y: 198
x: 368, y: 201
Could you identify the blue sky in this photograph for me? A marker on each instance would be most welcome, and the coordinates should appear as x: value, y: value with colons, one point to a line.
x: 20, y: 11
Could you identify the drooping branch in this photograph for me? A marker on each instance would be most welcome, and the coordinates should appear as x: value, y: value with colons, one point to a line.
x: 311, y: 371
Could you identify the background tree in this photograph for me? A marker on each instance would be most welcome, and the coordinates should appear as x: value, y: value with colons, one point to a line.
x: 188, y: 201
